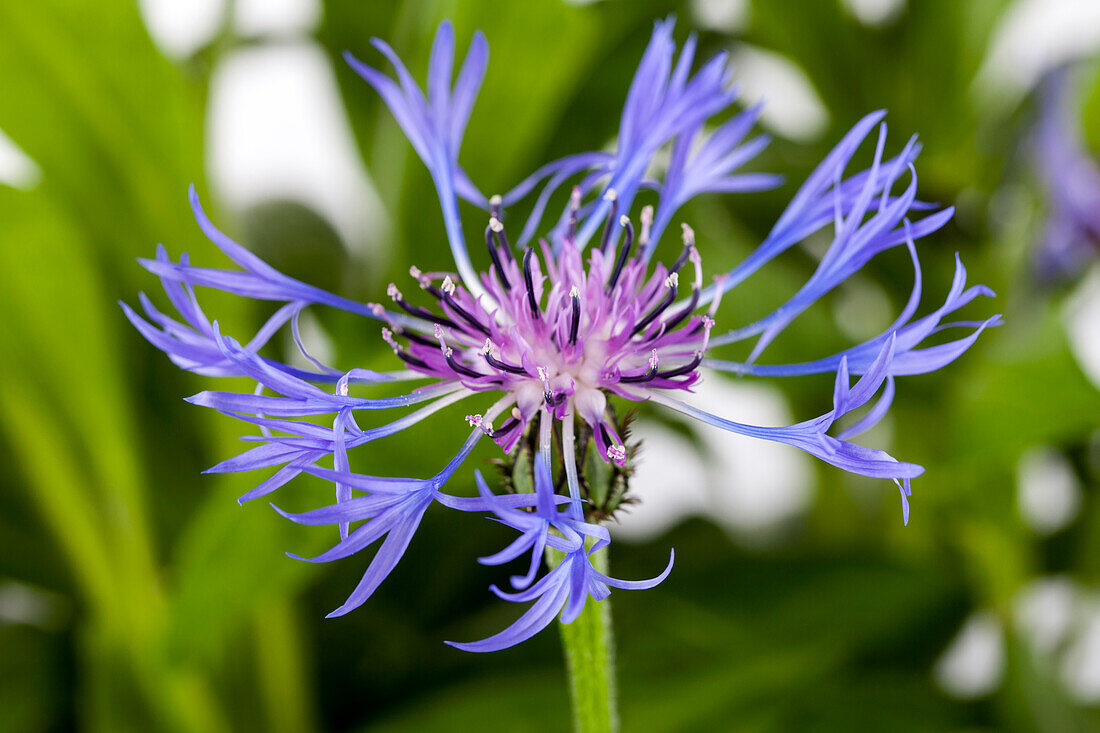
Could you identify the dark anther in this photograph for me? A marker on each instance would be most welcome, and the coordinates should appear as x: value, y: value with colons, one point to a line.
x: 574, y: 207
x: 682, y: 259
x: 658, y: 310
x: 494, y: 255
x: 465, y: 315
x: 676, y: 320
x: 410, y: 359
x: 685, y: 369
x: 529, y: 281
x: 610, y: 222
x: 417, y: 338
x: 623, y: 254
x: 507, y: 426
x: 575, y: 317
x: 459, y: 367
x: 424, y: 313
x: 503, y: 365
x: 648, y: 375
x: 502, y: 238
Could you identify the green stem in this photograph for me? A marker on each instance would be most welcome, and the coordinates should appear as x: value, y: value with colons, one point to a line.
x: 589, y: 647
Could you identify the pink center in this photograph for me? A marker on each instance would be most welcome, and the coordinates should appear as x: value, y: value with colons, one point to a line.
x: 551, y: 333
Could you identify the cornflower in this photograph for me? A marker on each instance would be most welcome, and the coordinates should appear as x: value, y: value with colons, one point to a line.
x: 555, y: 331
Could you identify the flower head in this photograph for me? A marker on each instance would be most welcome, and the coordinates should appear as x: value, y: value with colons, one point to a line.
x: 548, y: 336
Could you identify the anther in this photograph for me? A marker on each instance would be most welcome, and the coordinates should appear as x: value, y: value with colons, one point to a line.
x: 647, y: 222
x: 403, y: 355
x: 494, y: 255
x: 487, y: 352
x: 696, y: 360
x: 628, y: 241
x: 574, y: 207
x: 648, y: 375
x: 613, y: 197
x: 387, y: 336
x: 617, y: 453
x: 412, y: 310
x: 547, y: 393
x: 688, y: 234
x: 502, y: 238
x: 529, y: 281
x: 454, y: 364
x: 719, y: 291
x: 670, y: 283
x: 447, y: 295
x: 509, y: 425
x: 686, y: 311
x: 575, y: 316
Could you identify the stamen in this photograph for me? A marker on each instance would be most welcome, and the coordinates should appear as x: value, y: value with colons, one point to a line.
x: 575, y: 318
x: 623, y: 253
x: 457, y: 366
x: 686, y: 311
x: 611, y: 196
x: 413, y: 310
x: 574, y: 206
x: 415, y: 337
x: 487, y: 352
x: 648, y: 375
x: 708, y: 324
x: 670, y: 282
x: 647, y: 222
x: 509, y: 425
x: 689, y: 245
x: 387, y: 336
x: 529, y: 282
x: 494, y: 255
x: 697, y: 262
x: 547, y: 393
x: 719, y: 291
x: 377, y: 310
x: 696, y: 360
x: 448, y: 297
x: 498, y: 231
x: 403, y: 355
x: 617, y: 453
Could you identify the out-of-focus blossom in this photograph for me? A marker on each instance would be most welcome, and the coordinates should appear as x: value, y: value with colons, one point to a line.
x: 1071, y: 177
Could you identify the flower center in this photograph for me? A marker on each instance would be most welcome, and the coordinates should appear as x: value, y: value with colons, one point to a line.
x: 554, y: 333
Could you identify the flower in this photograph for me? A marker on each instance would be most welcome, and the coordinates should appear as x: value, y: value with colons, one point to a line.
x: 1071, y: 178
x: 552, y: 332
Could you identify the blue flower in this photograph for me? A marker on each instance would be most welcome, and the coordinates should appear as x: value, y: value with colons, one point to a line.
x: 1072, y: 179
x: 555, y: 332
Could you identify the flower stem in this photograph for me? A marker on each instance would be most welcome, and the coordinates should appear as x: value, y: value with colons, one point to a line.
x: 589, y: 647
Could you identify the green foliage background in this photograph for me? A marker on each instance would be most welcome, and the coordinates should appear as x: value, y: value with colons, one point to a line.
x: 170, y: 608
